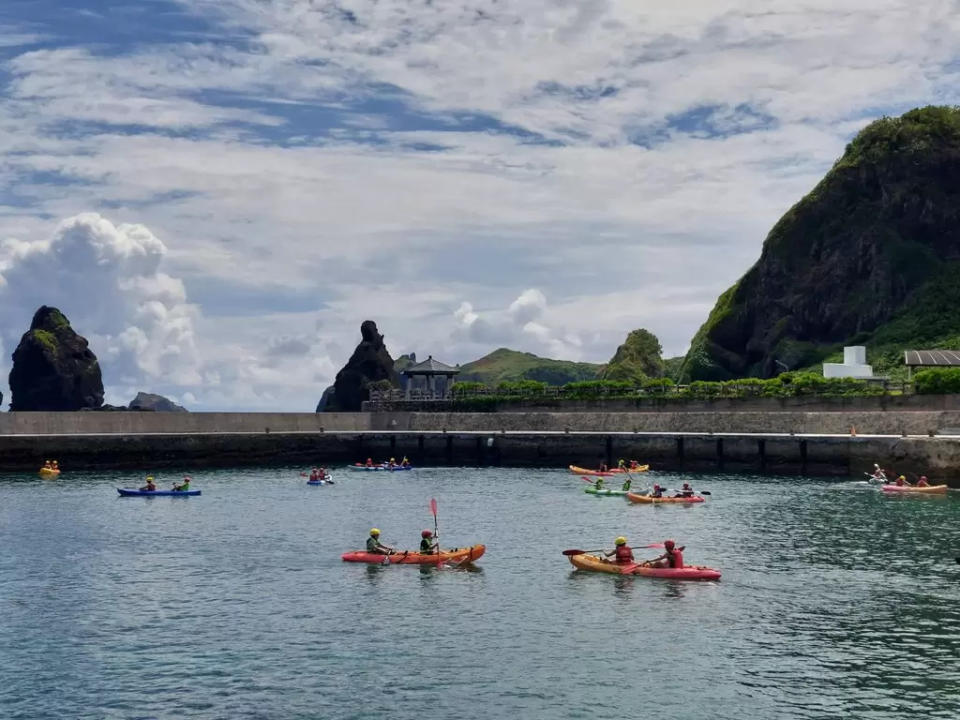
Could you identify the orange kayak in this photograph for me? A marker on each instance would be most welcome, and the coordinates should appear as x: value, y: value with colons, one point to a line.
x: 408, y: 557
x: 607, y: 473
x: 633, y: 497
x: 688, y: 572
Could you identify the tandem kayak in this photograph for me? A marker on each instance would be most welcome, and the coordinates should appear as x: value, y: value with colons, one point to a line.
x: 326, y: 480
x: 380, y: 468
x: 605, y: 491
x: 408, y: 557
x: 49, y: 472
x: 689, y: 572
x: 128, y: 492
x: 914, y: 489
x: 634, y: 497
x: 607, y: 473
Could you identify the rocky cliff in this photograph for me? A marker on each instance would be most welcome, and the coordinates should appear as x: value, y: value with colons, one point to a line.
x: 53, y: 369
x: 870, y: 257
x: 157, y: 403
x: 370, y: 363
x: 639, y: 357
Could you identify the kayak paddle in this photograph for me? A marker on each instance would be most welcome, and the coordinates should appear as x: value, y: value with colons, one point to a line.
x: 568, y: 553
x: 436, y: 529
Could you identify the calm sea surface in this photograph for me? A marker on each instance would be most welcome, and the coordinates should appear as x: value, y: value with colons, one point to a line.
x: 835, y: 601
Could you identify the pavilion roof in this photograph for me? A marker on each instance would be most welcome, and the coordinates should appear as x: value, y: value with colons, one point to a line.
x: 430, y: 367
x: 942, y: 358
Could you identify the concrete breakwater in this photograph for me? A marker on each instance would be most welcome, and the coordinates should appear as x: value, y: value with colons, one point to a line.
x: 807, y: 443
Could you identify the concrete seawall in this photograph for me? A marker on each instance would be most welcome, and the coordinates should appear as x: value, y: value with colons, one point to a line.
x: 803, y: 442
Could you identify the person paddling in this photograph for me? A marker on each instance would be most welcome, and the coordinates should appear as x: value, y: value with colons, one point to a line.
x: 671, y: 558
x: 375, y: 546
x: 184, y: 486
x: 657, y: 491
x: 428, y: 546
x: 405, y: 462
x: 150, y: 486
x: 627, y: 484
x: 623, y: 553
x: 902, y: 481
x: 599, y: 483
x: 686, y: 491
x: 878, y: 473
x: 922, y: 482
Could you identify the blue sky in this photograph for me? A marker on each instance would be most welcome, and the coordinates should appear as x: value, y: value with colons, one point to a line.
x: 218, y: 192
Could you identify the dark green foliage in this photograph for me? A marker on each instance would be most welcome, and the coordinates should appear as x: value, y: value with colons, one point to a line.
x: 637, y: 359
x: 869, y: 257
x: 522, y: 387
x: 462, y: 389
x: 939, y: 381
x: 589, y: 389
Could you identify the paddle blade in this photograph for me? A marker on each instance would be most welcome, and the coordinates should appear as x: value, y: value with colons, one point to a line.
x: 586, y: 479
x: 433, y: 506
x: 570, y: 553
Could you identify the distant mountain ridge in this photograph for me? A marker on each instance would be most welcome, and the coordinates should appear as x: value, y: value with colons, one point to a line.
x: 508, y: 365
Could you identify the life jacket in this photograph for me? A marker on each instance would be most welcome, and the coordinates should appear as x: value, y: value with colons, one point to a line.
x: 900, y: 482
x: 923, y: 483
x: 624, y: 554
x: 675, y: 558
x: 626, y: 484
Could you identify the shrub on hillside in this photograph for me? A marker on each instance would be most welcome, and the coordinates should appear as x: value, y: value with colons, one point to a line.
x: 937, y: 382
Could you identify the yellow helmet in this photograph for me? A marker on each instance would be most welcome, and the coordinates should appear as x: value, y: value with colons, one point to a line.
x: 149, y: 478
x: 375, y: 532
x: 620, y: 541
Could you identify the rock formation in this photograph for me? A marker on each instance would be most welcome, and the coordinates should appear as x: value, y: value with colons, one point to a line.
x: 157, y: 403
x: 870, y: 257
x: 53, y: 369
x: 638, y: 358
x: 369, y: 363
x: 326, y: 400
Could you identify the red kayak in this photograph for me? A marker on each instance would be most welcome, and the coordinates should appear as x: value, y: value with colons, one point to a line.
x: 408, y: 557
x: 688, y: 572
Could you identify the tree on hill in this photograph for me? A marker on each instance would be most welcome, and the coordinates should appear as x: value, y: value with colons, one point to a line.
x: 639, y: 357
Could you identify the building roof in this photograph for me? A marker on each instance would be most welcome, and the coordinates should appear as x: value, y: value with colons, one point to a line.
x: 943, y: 358
x: 430, y: 367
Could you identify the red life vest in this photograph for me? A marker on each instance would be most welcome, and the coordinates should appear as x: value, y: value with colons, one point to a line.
x: 676, y: 559
x: 624, y: 554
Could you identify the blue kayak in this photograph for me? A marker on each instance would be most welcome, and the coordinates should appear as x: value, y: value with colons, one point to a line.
x: 124, y: 492
x: 328, y: 480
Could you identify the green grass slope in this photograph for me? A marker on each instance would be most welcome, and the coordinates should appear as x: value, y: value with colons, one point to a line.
x: 510, y: 365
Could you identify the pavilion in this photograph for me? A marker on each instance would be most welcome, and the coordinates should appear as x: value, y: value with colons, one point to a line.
x: 923, y: 359
x: 423, y: 377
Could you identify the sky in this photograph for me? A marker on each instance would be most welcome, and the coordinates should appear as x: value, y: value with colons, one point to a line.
x: 218, y: 192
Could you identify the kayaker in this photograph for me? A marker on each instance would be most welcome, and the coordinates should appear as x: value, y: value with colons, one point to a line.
x: 369, y: 462
x: 604, y: 467
x: 622, y: 551
x: 314, y: 475
x: 56, y: 465
x: 47, y: 465
x: 428, y: 546
x: 184, y: 486
x: 404, y: 462
x: 902, y: 481
x: 627, y: 483
x: 657, y: 491
x: 622, y: 464
x: 150, y: 486
x: 375, y: 546
x: 599, y: 483
x: 671, y: 558
x: 922, y: 482
x: 686, y: 490
x: 393, y: 463
x: 878, y: 473
x: 634, y: 464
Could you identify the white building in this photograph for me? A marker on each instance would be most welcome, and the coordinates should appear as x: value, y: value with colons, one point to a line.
x: 854, y: 364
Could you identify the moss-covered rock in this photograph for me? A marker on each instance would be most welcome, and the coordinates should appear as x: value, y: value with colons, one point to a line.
x: 866, y: 258
x: 639, y: 358
x: 53, y: 369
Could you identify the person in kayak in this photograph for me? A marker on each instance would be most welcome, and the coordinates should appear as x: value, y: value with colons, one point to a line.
x: 314, y: 475
x: 902, y: 481
x: 634, y: 465
x: 48, y: 465
x: 404, y: 462
x: 598, y: 484
x: 622, y: 464
x: 627, y: 484
x: 671, y: 558
x: 622, y: 551
x: 392, y: 464
x: 922, y: 482
x: 150, y: 486
x: 685, y: 491
x: 657, y: 491
x: 878, y: 473
x: 604, y: 467
x: 184, y: 486
x: 428, y: 546
x: 375, y: 546
x: 369, y: 462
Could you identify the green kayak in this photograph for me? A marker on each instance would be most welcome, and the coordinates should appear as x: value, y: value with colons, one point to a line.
x: 605, y: 491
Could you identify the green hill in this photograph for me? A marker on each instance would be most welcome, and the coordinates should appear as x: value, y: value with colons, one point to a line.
x: 511, y: 365
x: 871, y: 256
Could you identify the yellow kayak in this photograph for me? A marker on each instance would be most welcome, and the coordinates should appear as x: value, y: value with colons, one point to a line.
x: 49, y: 472
x: 607, y: 473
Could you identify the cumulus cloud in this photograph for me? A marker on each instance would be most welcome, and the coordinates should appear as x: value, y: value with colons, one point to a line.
x: 526, y: 324
x: 108, y: 280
